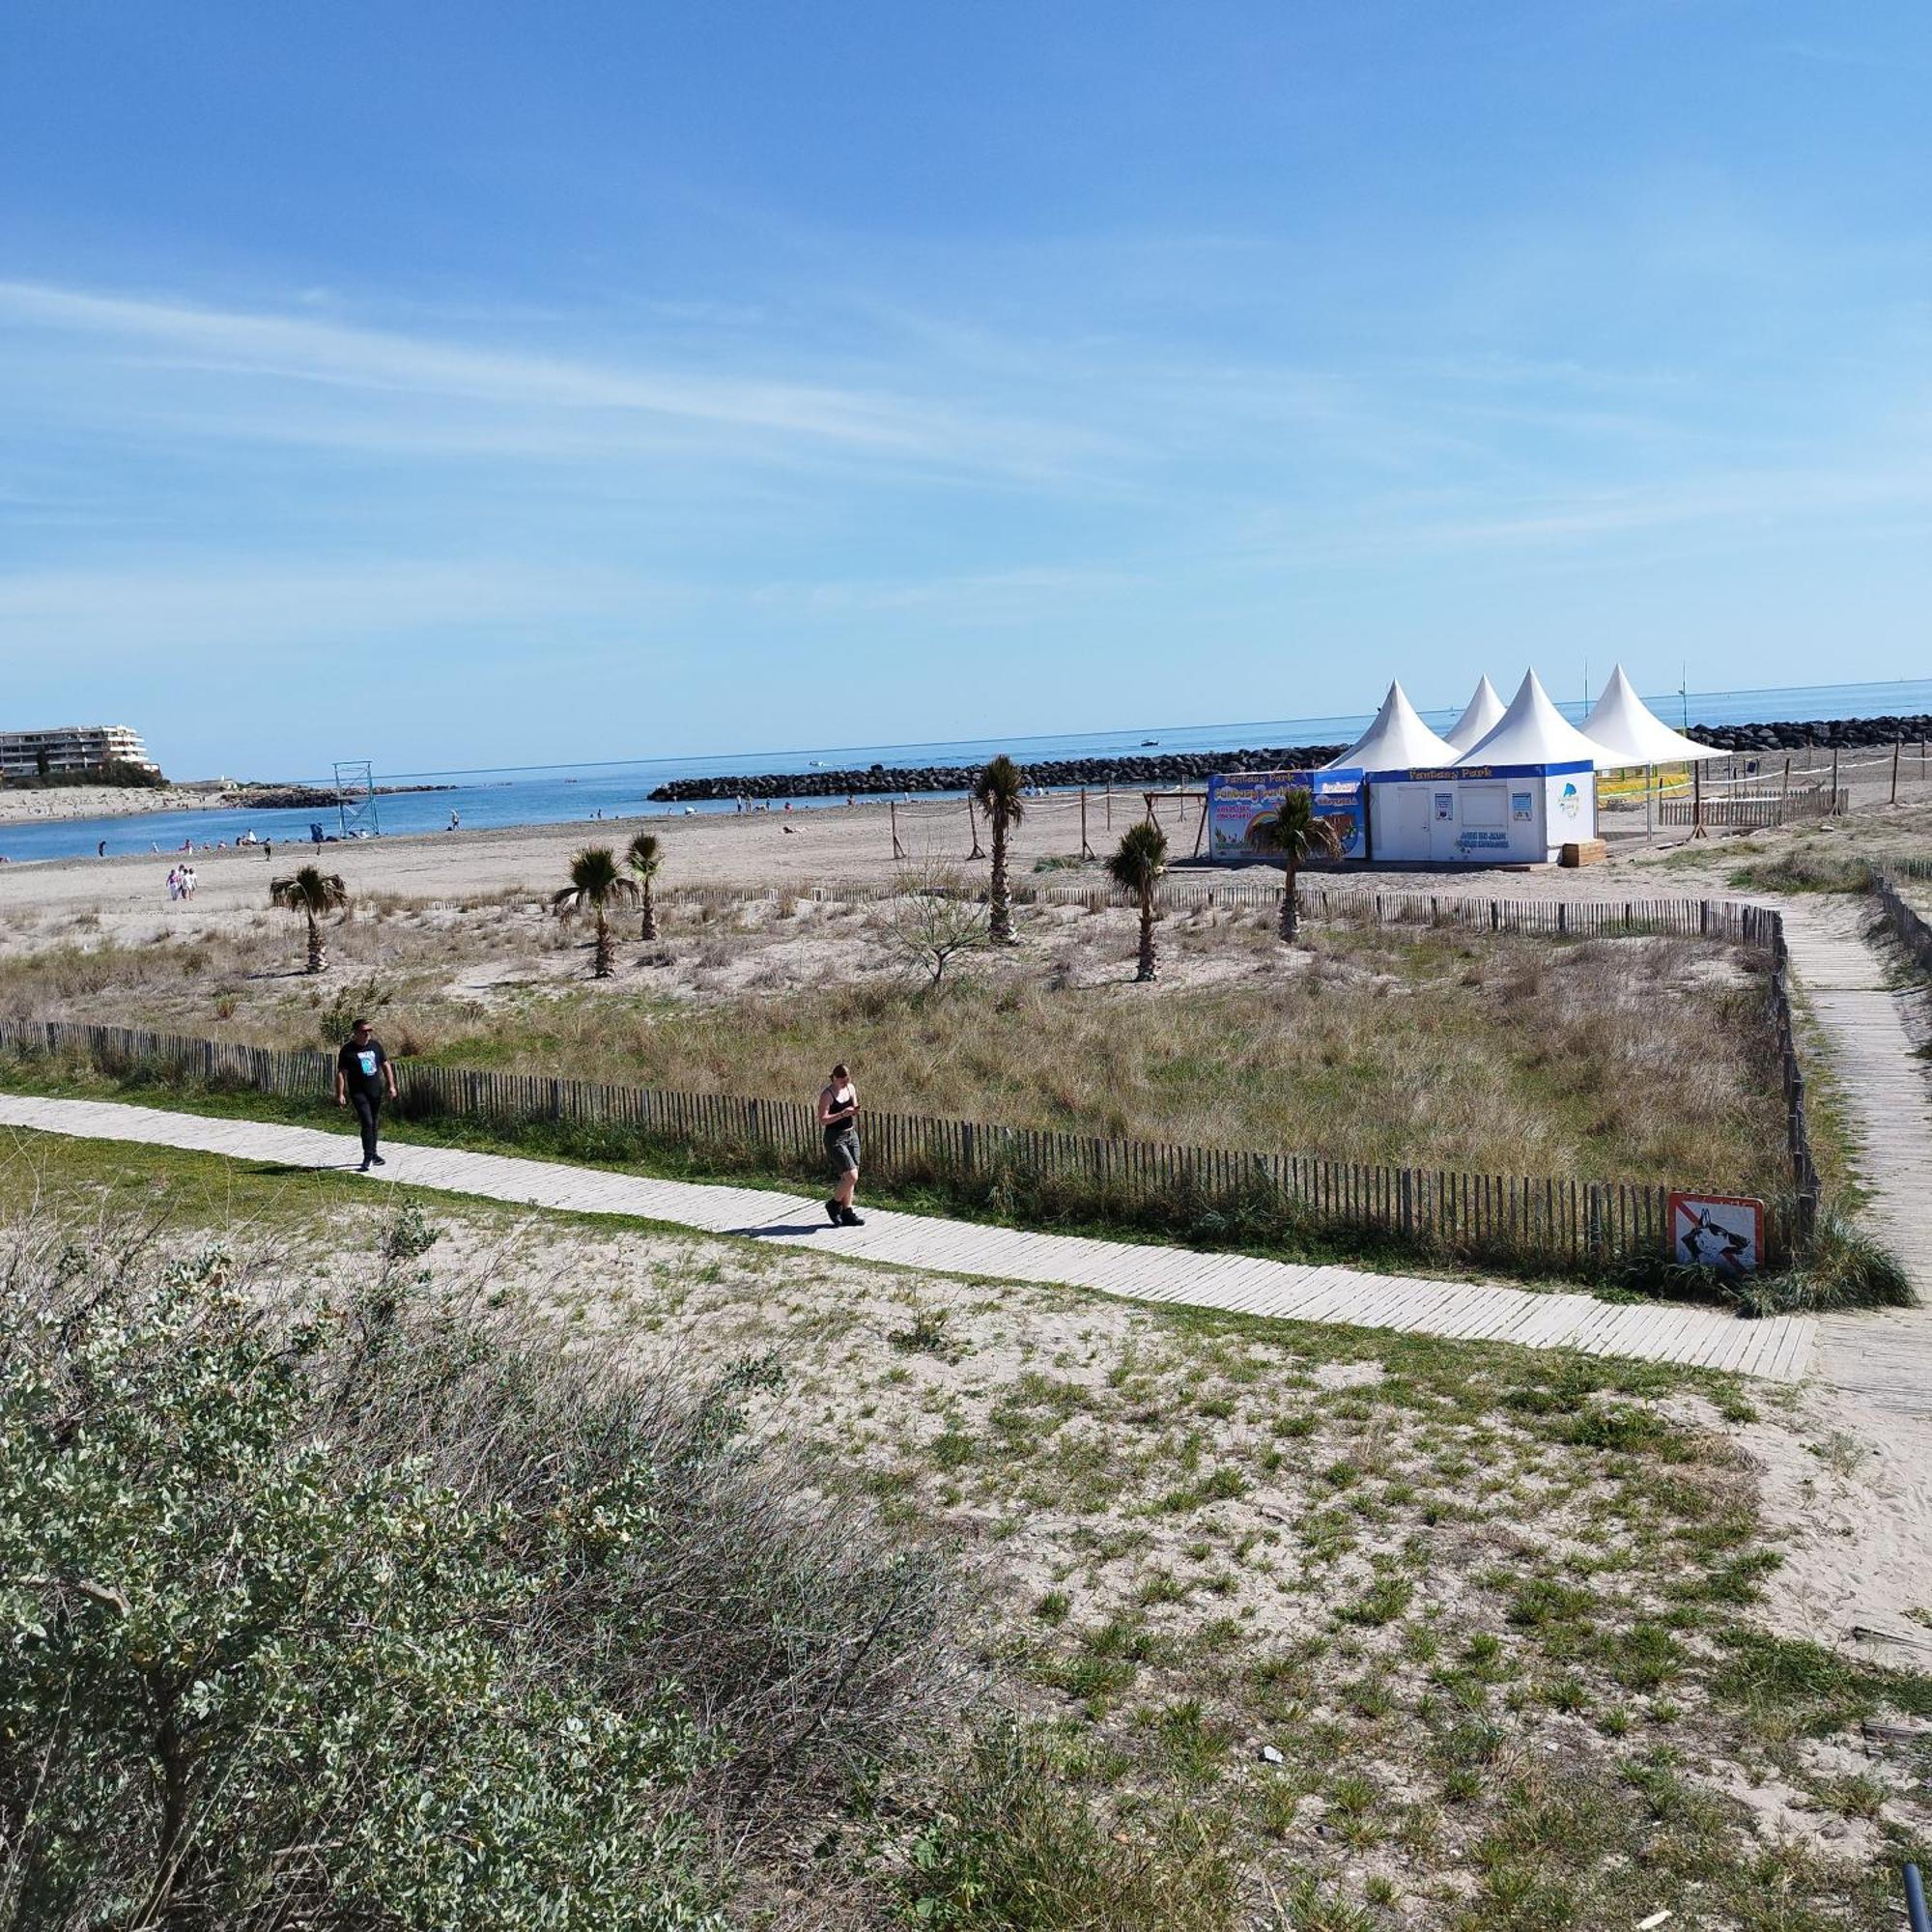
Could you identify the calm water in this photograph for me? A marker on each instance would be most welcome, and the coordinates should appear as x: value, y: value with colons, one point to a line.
x: 555, y: 794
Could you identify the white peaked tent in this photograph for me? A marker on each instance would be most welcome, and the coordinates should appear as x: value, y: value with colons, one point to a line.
x: 1397, y: 740
x: 1633, y: 735
x: 1532, y: 731
x: 1481, y: 716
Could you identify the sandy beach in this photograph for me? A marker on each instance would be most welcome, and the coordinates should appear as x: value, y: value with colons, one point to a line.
x: 824, y: 845
x: 831, y: 845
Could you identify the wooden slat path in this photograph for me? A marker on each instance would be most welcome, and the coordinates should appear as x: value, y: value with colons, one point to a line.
x: 1779, y: 1347
x: 1883, y: 1358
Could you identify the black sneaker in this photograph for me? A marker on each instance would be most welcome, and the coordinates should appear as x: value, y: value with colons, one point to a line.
x: 379, y: 1160
x: 363, y: 1169
x: 848, y: 1219
x: 833, y: 1212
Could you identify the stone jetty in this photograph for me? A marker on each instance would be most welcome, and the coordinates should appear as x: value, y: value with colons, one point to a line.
x: 1130, y: 771
x: 1141, y: 770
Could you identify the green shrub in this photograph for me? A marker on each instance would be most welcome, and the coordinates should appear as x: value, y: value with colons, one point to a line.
x: 370, y: 1617
x: 1846, y: 1267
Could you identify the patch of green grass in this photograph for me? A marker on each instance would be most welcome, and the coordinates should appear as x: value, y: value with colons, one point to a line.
x: 1017, y: 1850
x: 1382, y: 1603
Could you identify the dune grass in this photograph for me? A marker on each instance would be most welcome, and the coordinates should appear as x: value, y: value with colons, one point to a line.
x: 1641, y: 1059
x: 1610, y: 1058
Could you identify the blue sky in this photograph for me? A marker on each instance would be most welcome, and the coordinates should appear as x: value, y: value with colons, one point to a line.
x: 493, y: 383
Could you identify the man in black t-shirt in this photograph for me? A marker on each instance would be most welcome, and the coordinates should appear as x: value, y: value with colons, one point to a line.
x: 364, y: 1079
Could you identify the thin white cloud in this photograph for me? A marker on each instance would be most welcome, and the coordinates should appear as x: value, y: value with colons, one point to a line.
x: 136, y: 609
x: 345, y: 357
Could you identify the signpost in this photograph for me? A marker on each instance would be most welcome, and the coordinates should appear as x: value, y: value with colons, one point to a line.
x: 1722, y: 1232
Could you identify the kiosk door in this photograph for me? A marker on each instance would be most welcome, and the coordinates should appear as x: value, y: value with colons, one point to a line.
x: 1401, y: 822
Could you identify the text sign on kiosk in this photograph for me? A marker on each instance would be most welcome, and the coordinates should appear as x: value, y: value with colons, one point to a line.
x: 1724, y: 1232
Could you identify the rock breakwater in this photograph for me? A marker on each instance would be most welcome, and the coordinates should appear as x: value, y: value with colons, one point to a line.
x: 1167, y: 768
x: 1131, y: 770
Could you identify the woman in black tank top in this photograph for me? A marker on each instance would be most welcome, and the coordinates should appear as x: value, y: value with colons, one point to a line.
x: 838, y: 1117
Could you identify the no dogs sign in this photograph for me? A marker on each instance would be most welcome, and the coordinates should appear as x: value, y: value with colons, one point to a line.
x: 1724, y: 1232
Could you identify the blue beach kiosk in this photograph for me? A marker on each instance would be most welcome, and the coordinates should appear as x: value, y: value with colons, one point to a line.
x: 1520, y: 786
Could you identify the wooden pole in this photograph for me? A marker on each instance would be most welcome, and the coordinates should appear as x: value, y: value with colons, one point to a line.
x: 1834, y: 778
x: 1086, y: 850
x: 1895, y: 750
x: 1110, y: 804
x: 1787, y: 778
x: 1200, y: 830
x: 898, y: 850
x: 972, y: 821
x: 1697, y: 798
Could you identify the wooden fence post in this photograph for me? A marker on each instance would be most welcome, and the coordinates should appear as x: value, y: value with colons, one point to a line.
x: 1895, y: 750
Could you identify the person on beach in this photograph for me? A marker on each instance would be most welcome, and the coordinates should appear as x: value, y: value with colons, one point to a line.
x: 838, y: 1117
x: 364, y: 1078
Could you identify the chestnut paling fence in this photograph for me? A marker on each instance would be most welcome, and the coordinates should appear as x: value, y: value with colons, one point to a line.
x: 1563, y: 1221
x: 1912, y: 932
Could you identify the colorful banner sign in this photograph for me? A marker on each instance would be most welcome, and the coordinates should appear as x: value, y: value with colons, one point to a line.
x: 1237, y: 799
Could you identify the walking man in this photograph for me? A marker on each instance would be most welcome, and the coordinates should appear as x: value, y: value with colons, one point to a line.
x: 364, y: 1078
x: 838, y: 1116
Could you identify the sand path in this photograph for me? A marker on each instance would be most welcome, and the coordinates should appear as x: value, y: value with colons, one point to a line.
x: 1778, y: 1349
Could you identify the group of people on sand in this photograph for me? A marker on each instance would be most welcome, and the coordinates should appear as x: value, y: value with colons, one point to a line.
x: 365, y: 1079
x: 181, y: 882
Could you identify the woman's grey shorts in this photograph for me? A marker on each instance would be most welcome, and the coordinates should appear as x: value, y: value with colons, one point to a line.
x: 841, y: 1153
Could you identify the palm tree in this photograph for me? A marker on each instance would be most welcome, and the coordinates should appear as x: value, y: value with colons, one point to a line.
x: 1000, y: 792
x: 1295, y: 832
x: 595, y: 882
x: 644, y: 858
x: 1136, y: 868
x: 311, y: 893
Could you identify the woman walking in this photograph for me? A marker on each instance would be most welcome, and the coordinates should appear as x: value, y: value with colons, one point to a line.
x: 838, y: 1116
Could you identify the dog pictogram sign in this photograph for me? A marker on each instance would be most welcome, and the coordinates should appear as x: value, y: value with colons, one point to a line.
x: 1724, y: 1232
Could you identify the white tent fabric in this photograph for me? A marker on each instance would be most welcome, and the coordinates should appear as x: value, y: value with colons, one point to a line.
x: 1481, y: 716
x: 1633, y: 735
x: 1394, y: 741
x: 1532, y: 731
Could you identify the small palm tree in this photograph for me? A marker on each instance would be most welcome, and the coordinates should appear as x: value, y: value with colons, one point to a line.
x: 1136, y: 868
x: 311, y: 893
x: 595, y: 884
x: 1000, y: 792
x: 1294, y: 832
x: 645, y: 857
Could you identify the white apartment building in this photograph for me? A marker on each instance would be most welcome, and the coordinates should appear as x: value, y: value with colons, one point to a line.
x: 71, y: 748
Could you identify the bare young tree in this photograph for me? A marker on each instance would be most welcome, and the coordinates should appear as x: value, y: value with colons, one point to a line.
x: 933, y: 916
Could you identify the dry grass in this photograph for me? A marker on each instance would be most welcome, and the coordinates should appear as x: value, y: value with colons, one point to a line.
x: 1625, y: 1059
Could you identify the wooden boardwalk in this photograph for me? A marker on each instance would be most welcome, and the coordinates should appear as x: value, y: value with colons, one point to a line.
x: 1778, y: 1348
x: 1883, y: 1357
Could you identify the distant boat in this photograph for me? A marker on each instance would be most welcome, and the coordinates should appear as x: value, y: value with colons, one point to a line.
x: 1149, y: 741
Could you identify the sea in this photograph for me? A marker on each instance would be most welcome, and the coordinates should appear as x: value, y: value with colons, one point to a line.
x: 565, y: 794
